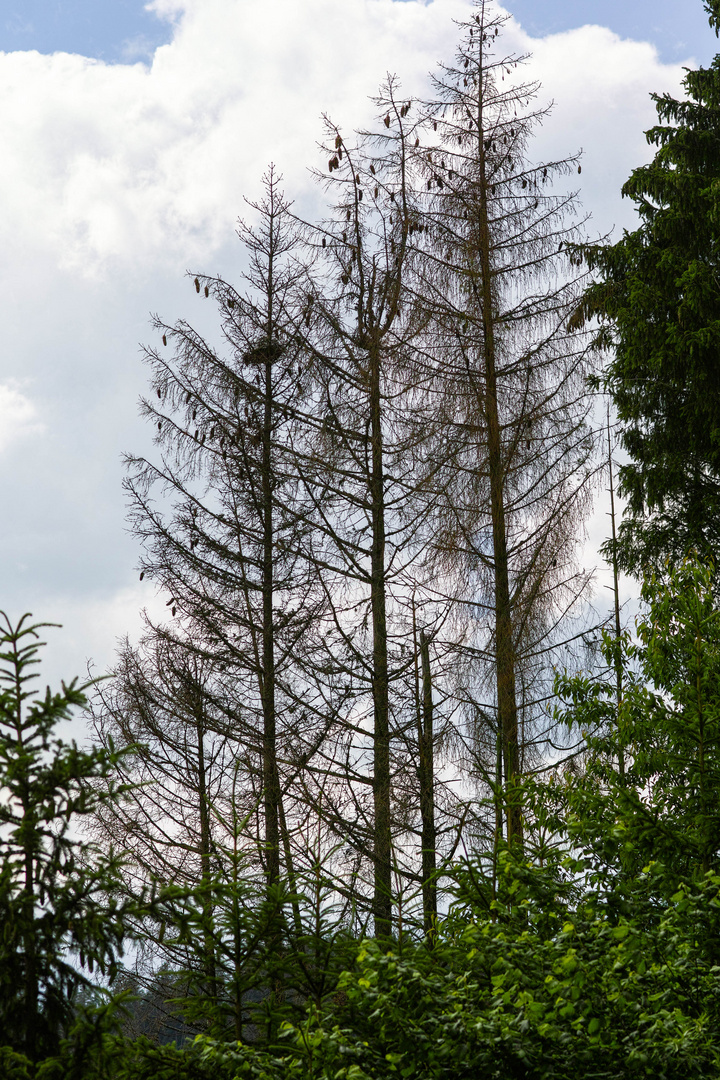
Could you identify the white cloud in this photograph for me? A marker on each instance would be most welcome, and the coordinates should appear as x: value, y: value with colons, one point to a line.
x: 91, y: 627
x: 136, y: 163
x: 139, y: 47
x: 18, y: 416
x: 83, y: 641
x: 140, y: 162
x: 601, y: 86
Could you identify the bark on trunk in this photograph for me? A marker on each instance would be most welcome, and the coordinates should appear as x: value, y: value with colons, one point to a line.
x: 616, y: 597
x: 205, y: 862
x: 504, y: 646
x: 270, y: 771
x: 382, y: 841
x: 427, y: 797
x: 32, y: 992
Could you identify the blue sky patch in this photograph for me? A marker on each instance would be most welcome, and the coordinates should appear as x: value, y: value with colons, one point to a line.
x: 678, y: 28
x: 122, y: 30
x: 110, y: 30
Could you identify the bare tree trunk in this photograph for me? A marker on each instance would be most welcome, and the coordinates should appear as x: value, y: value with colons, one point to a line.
x: 270, y: 769
x: 31, y: 973
x: 289, y: 866
x: 616, y: 597
x: 504, y: 648
x: 382, y: 846
x: 205, y: 860
x: 498, y: 800
x: 427, y: 797
x: 32, y: 990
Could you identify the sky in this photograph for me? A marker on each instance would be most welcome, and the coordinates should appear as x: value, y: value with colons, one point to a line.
x: 130, y: 134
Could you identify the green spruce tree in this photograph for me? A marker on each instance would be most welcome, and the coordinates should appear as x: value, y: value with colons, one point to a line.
x: 60, y: 921
x: 659, y: 306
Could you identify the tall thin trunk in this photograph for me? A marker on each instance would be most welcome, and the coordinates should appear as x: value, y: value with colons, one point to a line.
x: 497, y: 838
x: 238, y: 945
x: 382, y: 841
x: 205, y: 858
x: 289, y: 865
x: 427, y: 797
x: 271, y: 784
x: 504, y: 647
x: 32, y: 993
x: 32, y: 988
x: 616, y: 594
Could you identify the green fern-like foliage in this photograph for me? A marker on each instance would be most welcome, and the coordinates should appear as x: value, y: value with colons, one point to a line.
x: 60, y: 920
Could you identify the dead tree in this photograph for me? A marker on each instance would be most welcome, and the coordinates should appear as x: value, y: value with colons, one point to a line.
x: 167, y: 705
x: 510, y: 379
x: 363, y: 480
x: 217, y: 515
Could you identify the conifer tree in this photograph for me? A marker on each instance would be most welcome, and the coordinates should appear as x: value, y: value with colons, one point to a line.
x: 658, y: 302
x: 167, y: 706
x: 509, y: 379
x: 230, y: 552
x: 59, y: 909
x: 362, y: 480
